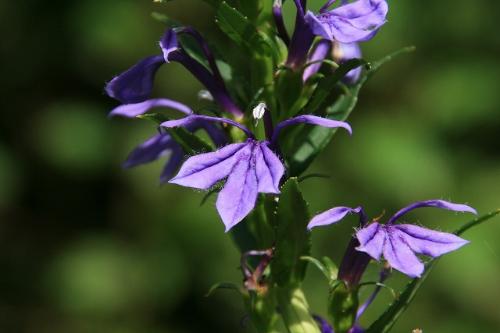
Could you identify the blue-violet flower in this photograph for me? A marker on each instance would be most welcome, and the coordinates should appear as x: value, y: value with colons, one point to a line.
x: 251, y: 167
x: 399, y: 243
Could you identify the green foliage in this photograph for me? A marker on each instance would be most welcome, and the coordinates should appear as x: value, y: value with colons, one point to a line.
x: 190, y: 142
x: 301, y: 145
x: 326, y: 266
x: 225, y: 285
x: 292, y: 239
x: 288, y: 89
x: 241, y: 30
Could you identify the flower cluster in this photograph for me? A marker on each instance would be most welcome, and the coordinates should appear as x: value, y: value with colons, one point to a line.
x: 247, y: 164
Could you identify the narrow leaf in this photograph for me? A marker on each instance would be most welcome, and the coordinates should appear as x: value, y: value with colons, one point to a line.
x: 239, y: 28
x: 189, y: 142
x: 328, y: 83
x: 292, y: 239
x: 318, y: 265
x: 224, y: 285
x: 331, y: 267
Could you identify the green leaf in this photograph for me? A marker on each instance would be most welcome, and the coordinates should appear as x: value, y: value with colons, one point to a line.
x: 292, y: 239
x: 301, y: 145
x: 326, y: 266
x: 327, y: 84
x: 313, y: 175
x: 331, y: 267
x: 239, y: 28
x: 319, y: 265
x: 250, y: 9
x: 162, y: 18
x: 288, y: 90
x: 387, y: 320
x: 235, y: 25
x: 157, y: 118
x: 224, y: 285
x: 190, y: 143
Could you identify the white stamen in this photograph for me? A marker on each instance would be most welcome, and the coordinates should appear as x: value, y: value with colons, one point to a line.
x: 259, y: 110
x: 205, y: 95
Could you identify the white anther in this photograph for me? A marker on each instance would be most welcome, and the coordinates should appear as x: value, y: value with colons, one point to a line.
x: 259, y: 110
x: 205, y: 95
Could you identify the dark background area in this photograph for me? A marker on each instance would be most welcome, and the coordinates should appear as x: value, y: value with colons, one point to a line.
x: 88, y: 247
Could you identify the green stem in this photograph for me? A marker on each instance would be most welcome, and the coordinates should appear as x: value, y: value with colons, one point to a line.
x: 295, y: 311
x: 262, y: 309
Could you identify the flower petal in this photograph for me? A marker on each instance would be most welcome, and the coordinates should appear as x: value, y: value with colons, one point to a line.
x: 268, y: 168
x: 150, y: 150
x: 324, y: 326
x: 429, y: 242
x: 353, y: 22
x: 318, y: 27
x: 174, y: 161
x: 432, y: 203
x: 169, y: 44
x: 331, y: 216
x: 343, y: 52
x: 204, y: 170
x: 319, y: 53
x: 137, y: 109
x: 399, y: 255
x: 237, y: 199
x: 135, y: 84
x: 309, y: 119
x: 372, y: 240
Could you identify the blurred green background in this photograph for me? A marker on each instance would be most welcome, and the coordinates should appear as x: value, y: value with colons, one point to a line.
x: 88, y: 247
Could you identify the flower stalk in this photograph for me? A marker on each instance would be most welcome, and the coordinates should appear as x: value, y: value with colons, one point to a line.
x: 285, y: 83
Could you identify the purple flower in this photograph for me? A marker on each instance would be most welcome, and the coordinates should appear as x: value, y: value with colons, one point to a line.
x: 162, y: 144
x: 351, y: 22
x: 400, y: 243
x: 251, y: 167
x: 315, y: 58
x: 278, y: 20
x: 343, y: 52
x: 135, y: 85
x: 357, y: 14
